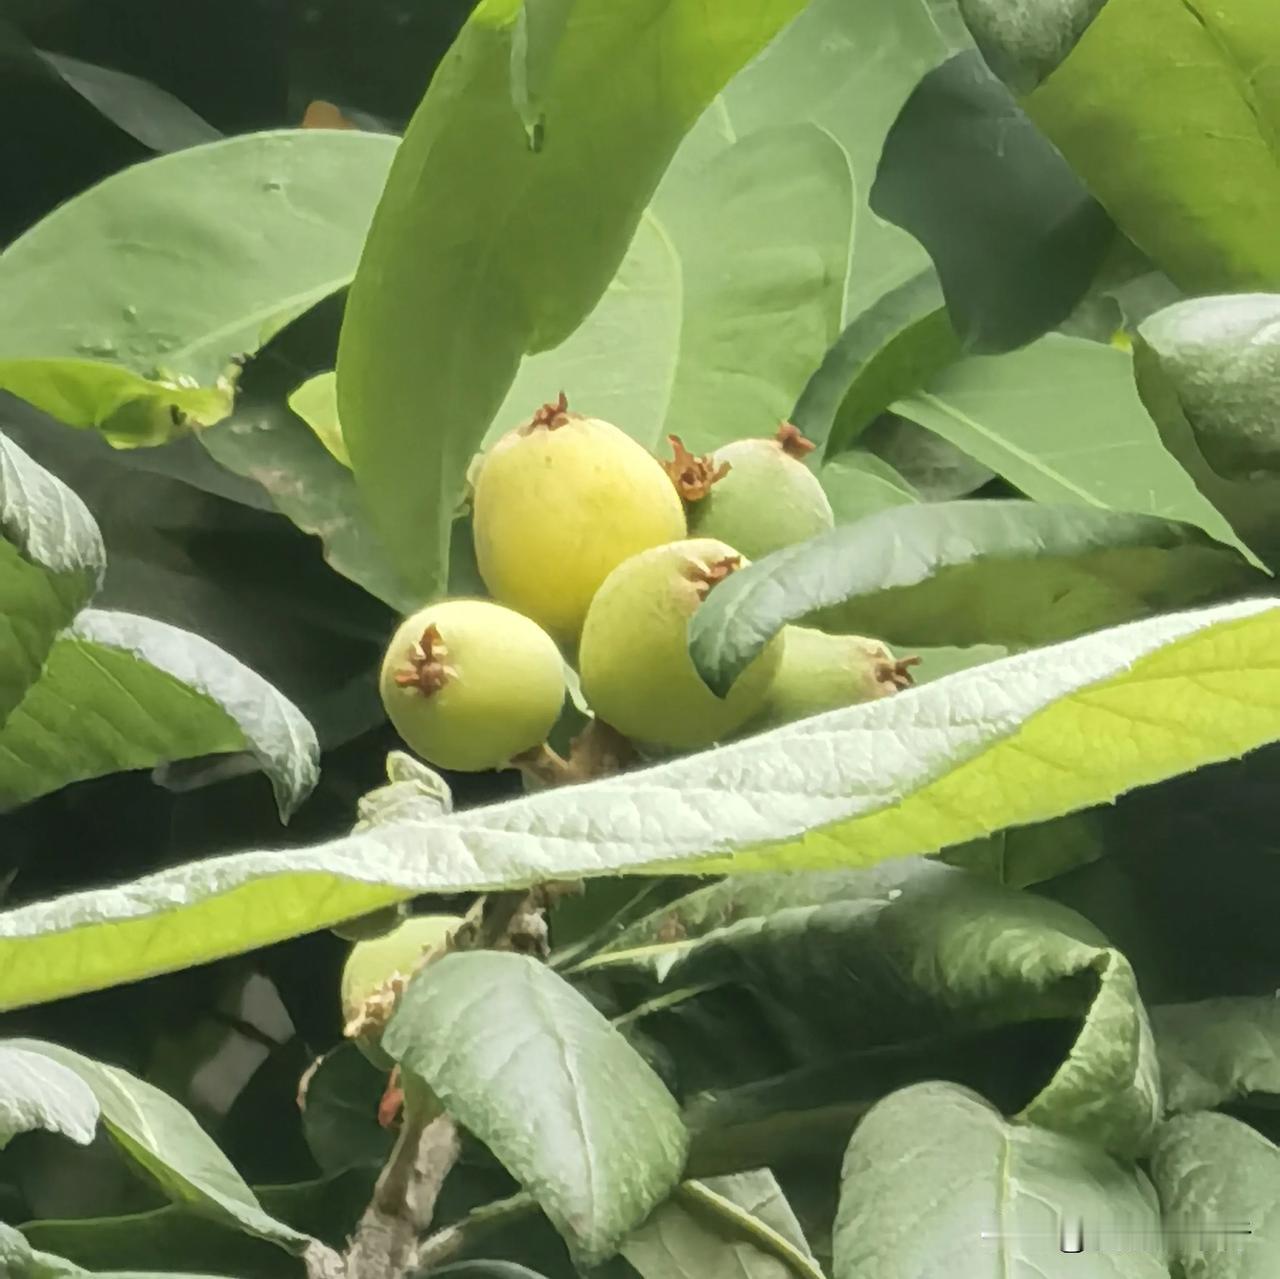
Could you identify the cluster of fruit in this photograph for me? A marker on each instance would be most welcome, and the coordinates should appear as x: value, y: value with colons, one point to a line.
x: 595, y: 550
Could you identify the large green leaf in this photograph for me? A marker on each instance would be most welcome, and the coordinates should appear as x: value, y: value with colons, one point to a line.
x: 1062, y: 421
x: 51, y: 564
x: 858, y: 484
x: 38, y: 1093
x: 727, y: 300
x: 125, y: 308
x: 913, y: 949
x: 168, y: 1146
x: 122, y: 692
x: 543, y: 1094
x: 737, y: 1227
x: 1169, y: 111
x: 1217, y: 1050
x: 1010, y: 742
x: 981, y: 1197
x: 997, y: 572
x: 1017, y: 239
x: 1220, y: 357
x: 1219, y: 1184
x: 901, y: 340
x: 468, y: 266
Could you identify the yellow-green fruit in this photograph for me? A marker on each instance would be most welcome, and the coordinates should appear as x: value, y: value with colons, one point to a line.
x: 470, y: 685
x: 765, y: 500
x: 560, y: 502
x: 634, y: 658
x: 377, y: 971
x: 821, y: 672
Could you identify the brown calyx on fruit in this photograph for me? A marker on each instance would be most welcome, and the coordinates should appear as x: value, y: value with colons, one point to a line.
x: 792, y: 442
x: 896, y: 675
x: 692, y: 475
x: 709, y: 575
x: 550, y: 416
x: 428, y: 670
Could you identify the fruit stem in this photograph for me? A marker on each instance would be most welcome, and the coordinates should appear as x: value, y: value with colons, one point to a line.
x: 709, y: 575
x: 598, y: 751
x: 898, y: 672
x: 428, y: 670
x: 551, y: 416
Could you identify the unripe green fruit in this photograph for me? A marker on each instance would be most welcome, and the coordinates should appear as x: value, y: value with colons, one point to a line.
x: 821, y: 672
x: 765, y: 499
x: 634, y: 658
x: 470, y: 684
x: 559, y: 503
x: 377, y: 971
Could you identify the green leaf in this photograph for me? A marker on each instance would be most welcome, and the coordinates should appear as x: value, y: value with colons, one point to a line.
x: 1018, y: 238
x: 1220, y: 359
x: 165, y: 1143
x: 728, y: 297
x: 544, y: 1094
x: 1024, y: 43
x: 1029, y: 855
x: 1217, y: 1178
x: 316, y: 403
x: 900, y: 341
x: 38, y: 1093
x: 858, y: 484
x: 1167, y: 110
x: 913, y: 949
x: 122, y: 692
x: 979, y: 1196
x: 276, y: 220
x: 1008, y: 743
x: 997, y: 572
x: 1217, y: 1050
x: 340, y: 1116
x: 738, y: 1227
x: 51, y: 565
x: 434, y: 334
x: 1062, y: 421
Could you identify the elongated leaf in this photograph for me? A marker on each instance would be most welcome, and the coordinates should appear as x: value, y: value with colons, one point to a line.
x: 51, y: 564
x: 543, y: 1094
x: 913, y: 949
x: 729, y: 295
x: 900, y: 341
x: 1217, y: 1050
x: 1220, y: 358
x: 1166, y: 109
x: 435, y: 334
x: 1062, y: 421
x: 858, y: 484
x: 316, y: 403
x: 983, y: 1198
x: 174, y: 268
x: 1218, y: 1179
x: 724, y: 1228
x: 38, y: 1093
x: 1018, y: 238
x: 167, y: 1145
x: 1008, y: 743
x: 121, y: 692
x: 1010, y: 573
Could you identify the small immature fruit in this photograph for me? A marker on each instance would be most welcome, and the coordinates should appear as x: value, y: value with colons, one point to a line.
x: 634, y: 656
x: 377, y: 971
x: 559, y: 503
x: 470, y: 684
x: 821, y: 672
x: 754, y: 494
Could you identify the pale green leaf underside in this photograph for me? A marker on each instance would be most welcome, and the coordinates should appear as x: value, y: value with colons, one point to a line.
x: 936, y: 1182
x: 529, y: 1066
x: 1218, y: 1050
x: 1061, y: 420
x: 1010, y: 742
x: 51, y: 564
x: 168, y: 1146
x: 38, y: 1093
x: 124, y: 692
